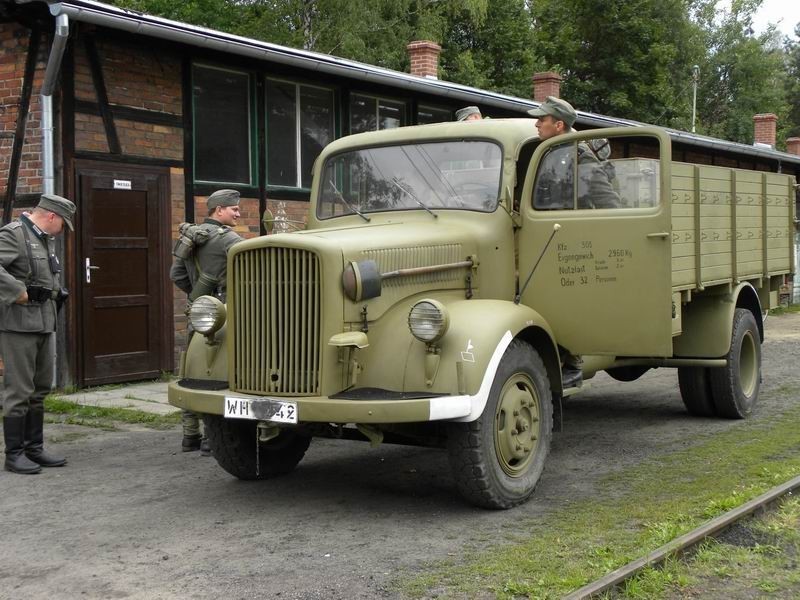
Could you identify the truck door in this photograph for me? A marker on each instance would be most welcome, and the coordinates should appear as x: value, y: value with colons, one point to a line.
x: 604, y: 282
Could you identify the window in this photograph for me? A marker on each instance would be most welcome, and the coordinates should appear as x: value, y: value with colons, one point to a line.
x: 598, y: 181
x: 299, y: 125
x: 221, y: 101
x: 370, y: 114
x: 430, y: 114
x: 457, y: 175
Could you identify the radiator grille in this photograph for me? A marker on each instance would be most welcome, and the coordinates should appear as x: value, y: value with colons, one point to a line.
x: 276, y: 310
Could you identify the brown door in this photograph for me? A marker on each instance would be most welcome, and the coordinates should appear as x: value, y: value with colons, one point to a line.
x: 125, y: 311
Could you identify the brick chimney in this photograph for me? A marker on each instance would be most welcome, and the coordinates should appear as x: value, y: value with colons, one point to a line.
x: 424, y: 57
x: 793, y: 145
x: 546, y: 84
x: 765, y: 129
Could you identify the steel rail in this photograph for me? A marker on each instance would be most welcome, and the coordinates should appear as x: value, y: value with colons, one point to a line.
x: 682, y: 543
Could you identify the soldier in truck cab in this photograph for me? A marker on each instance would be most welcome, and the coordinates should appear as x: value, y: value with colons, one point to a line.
x: 556, y: 117
x: 200, y: 269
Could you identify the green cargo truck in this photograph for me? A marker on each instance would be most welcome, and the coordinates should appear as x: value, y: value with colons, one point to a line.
x: 449, y: 270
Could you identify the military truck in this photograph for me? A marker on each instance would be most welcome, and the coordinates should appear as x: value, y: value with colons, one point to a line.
x: 448, y: 270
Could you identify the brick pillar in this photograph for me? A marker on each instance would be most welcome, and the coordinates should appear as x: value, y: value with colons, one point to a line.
x: 424, y: 57
x: 546, y: 84
x: 793, y: 145
x: 765, y: 129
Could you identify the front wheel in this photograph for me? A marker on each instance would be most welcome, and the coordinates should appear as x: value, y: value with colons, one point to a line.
x: 498, y: 459
x: 233, y: 444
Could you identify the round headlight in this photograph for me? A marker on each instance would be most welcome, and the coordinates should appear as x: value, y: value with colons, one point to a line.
x: 428, y: 321
x: 207, y: 315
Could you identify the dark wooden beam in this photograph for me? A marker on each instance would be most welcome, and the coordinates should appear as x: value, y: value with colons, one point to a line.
x: 129, y: 113
x: 188, y: 138
x: 102, y: 95
x: 127, y: 159
x: 22, y: 120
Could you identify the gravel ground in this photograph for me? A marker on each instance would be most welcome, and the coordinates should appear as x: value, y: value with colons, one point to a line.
x: 133, y: 517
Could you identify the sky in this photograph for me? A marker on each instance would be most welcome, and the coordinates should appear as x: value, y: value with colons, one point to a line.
x: 785, y: 13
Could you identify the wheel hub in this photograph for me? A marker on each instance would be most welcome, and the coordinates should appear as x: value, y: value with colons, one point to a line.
x: 517, y: 425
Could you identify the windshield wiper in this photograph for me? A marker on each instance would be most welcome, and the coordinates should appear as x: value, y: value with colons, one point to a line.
x: 346, y: 203
x: 411, y: 195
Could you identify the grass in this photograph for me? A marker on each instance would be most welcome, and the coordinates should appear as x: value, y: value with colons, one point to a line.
x: 630, y: 516
x: 757, y: 558
x: 59, y: 410
x: 782, y: 310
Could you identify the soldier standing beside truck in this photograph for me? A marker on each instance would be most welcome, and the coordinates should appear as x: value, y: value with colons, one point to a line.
x: 200, y: 269
x: 30, y: 295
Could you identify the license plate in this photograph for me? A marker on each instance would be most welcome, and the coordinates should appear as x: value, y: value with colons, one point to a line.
x: 261, y: 409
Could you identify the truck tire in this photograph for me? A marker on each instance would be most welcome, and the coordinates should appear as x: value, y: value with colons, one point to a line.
x: 735, y: 387
x: 497, y: 459
x: 696, y: 391
x: 233, y: 444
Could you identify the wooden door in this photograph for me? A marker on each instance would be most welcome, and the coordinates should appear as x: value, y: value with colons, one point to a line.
x: 125, y: 310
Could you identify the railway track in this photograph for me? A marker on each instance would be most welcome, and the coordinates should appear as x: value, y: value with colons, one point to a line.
x: 685, y: 542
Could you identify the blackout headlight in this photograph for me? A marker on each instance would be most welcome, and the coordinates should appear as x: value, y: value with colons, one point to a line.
x: 207, y: 315
x: 428, y: 321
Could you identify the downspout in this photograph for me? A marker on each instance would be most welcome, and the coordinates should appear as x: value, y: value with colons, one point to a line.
x: 49, y: 84
x: 48, y: 151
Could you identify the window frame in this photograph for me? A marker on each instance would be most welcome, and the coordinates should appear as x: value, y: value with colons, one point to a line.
x: 377, y: 98
x: 297, y: 133
x: 252, y: 142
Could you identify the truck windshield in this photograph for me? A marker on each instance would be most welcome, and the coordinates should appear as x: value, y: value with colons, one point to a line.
x: 458, y: 174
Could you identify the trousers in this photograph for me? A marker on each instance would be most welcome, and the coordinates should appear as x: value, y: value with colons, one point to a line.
x: 28, y: 371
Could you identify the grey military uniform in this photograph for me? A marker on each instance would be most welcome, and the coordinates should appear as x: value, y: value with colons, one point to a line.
x: 211, y: 257
x: 27, y: 258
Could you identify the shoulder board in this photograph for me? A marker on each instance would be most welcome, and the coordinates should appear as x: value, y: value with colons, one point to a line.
x: 13, y: 225
x: 224, y: 229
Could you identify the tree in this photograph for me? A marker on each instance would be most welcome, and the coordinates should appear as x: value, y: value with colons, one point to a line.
x: 792, y: 49
x: 742, y: 75
x: 626, y: 58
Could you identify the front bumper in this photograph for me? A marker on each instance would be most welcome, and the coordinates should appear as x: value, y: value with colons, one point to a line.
x: 323, y: 409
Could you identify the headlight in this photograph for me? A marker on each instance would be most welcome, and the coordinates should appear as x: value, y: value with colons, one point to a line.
x: 207, y: 315
x: 428, y: 321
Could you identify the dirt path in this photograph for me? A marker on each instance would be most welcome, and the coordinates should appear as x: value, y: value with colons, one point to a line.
x: 132, y: 517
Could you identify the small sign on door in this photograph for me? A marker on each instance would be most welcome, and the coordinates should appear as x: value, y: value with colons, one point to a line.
x: 122, y: 184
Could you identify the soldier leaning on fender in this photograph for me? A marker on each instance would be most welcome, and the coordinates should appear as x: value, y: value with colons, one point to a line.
x: 200, y: 269
x: 30, y: 288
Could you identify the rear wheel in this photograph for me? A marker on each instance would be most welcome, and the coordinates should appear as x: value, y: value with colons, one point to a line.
x: 696, y: 391
x: 233, y: 443
x: 735, y: 387
x: 497, y: 460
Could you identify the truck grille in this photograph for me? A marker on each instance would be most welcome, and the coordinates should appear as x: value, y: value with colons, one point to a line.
x: 276, y: 314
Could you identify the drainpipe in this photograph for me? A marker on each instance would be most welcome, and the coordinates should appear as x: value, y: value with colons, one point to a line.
x: 48, y: 150
x: 50, y: 77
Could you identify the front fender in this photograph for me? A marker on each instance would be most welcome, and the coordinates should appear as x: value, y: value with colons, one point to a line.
x: 204, y: 360
x: 470, y: 352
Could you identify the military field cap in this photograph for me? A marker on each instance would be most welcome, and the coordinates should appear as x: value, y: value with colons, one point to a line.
x: 61, y: 206
x: 556, y: 108
x: 463, y: 113
x: 223, y: 198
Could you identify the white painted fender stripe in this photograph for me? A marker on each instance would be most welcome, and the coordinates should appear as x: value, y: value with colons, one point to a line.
x: 469, y: 408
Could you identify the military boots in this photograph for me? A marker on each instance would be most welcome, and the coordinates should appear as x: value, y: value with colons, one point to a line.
x: 34, y: 441
x: 14, y: 434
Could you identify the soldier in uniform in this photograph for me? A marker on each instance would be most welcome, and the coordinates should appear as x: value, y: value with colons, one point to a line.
x: 201, y: 270
x: 556, y: 117
x: 30, y: 295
